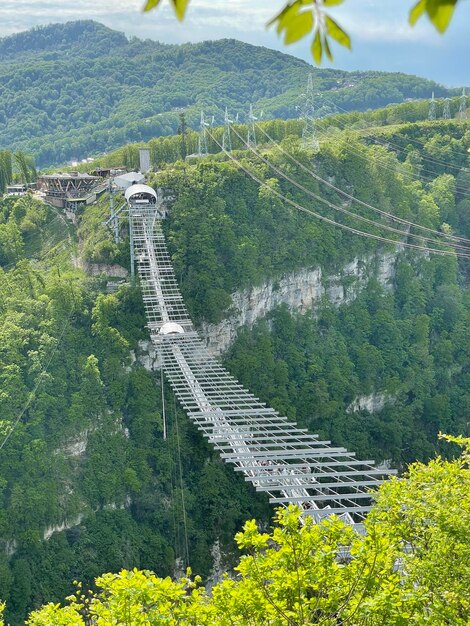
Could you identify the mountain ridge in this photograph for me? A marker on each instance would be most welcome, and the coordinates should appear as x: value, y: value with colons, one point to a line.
x: 78, y: 89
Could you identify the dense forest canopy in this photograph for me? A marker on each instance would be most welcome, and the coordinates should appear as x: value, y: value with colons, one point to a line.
x: 74, y: 90
x: 410, y: 566
x: 80, y: 431
x: 82, y: 418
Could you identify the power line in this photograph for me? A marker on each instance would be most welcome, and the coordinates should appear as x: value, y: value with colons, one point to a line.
x: 405, y: 173
x: 346, y: 211
x: 408, y: 174
x: 366, y: 204
x: 386, y: 142
x: 32, y: 393
x: 45, y: 369
x: 412, y: 140
x: 332, y: 222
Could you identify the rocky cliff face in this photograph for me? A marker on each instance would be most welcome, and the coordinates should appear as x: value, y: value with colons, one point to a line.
x: 301, y: 291
x: 373, y: 403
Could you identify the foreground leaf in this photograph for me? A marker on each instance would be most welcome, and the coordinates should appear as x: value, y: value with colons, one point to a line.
x: 440, y: 12
x: 317, y: 48
x: 417, y: 11
x: 337, y: 33
x: 179, y: 6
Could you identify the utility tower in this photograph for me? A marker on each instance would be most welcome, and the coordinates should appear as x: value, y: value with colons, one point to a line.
x: 251, y: 136
x: 114, y: 220
x: 183, y: 132
x: 446, y: 110
x: 226, y: 137
x: 202, y: 140
x: 463, y: 105
x: 309, y: 135
x: 432, y: 109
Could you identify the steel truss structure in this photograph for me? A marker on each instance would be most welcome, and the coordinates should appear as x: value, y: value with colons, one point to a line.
x: 275, y: 455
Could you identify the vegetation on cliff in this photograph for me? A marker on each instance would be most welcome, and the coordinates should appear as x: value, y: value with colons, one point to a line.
x: 83, y: 463
x: 411, y: 566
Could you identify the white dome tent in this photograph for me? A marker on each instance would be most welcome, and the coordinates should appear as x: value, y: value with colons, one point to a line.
x: 140, y: 194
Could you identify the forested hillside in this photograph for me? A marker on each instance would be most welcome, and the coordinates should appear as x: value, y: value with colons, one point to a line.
x: 81, y: 431
x: 77, y: 89
x: 88, y: 483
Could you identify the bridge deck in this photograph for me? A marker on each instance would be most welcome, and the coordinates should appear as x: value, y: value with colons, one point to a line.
x: 275, y: 455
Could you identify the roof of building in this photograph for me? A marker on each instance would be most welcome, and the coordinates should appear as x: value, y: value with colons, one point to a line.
x: 171, y: 328
x: 70, y: 176
x: 125, y: 180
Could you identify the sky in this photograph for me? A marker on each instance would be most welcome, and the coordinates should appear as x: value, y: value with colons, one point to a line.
x: 382, y: 38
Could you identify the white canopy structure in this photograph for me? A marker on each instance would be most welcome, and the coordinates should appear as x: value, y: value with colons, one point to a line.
x: 143, y: 194
x: 126, y: 180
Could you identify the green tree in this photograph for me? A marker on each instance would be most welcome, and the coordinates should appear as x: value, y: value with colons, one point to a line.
x: 88, y: 404
x: 6, y: 170
x: 411, y: 566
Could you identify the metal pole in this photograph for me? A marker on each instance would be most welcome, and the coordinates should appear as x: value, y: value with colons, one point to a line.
x: 131, y: 244
x: 114, y: 218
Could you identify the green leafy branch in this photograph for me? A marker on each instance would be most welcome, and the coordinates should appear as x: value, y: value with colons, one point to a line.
x: 440, y: 12
x: 300, y: 18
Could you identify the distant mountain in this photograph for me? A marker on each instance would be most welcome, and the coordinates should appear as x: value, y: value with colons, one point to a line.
x: 76, y: 89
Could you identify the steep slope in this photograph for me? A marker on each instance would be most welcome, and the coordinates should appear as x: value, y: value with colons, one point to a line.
x: 75, y: 89
x: 88, y: 483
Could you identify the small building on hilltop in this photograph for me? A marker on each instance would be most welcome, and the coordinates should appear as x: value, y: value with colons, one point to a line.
x: 16, y: 190
x: 69, y: 190
x: 127, y: 180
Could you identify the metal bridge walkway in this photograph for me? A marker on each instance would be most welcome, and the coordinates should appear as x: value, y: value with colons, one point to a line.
x: 274, y: 454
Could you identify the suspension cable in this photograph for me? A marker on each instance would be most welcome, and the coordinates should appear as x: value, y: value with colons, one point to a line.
x: 354, y: 199
x: 183, y: 500
x: 323, y: 218
x: 163, y: 402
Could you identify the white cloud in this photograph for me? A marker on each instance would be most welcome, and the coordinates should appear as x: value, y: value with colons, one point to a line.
x: 382, y: 38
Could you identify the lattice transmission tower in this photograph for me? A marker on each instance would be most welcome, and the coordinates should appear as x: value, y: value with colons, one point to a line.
x: 309, y: 134
x: 202, y: 139
x: 251, y: 132
x: 226, y: 137
x: 463, y: 105
x: 432, y: 109
x: 446, y: 109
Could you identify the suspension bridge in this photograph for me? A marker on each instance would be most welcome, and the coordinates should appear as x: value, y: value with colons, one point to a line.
x: 289, y: 464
